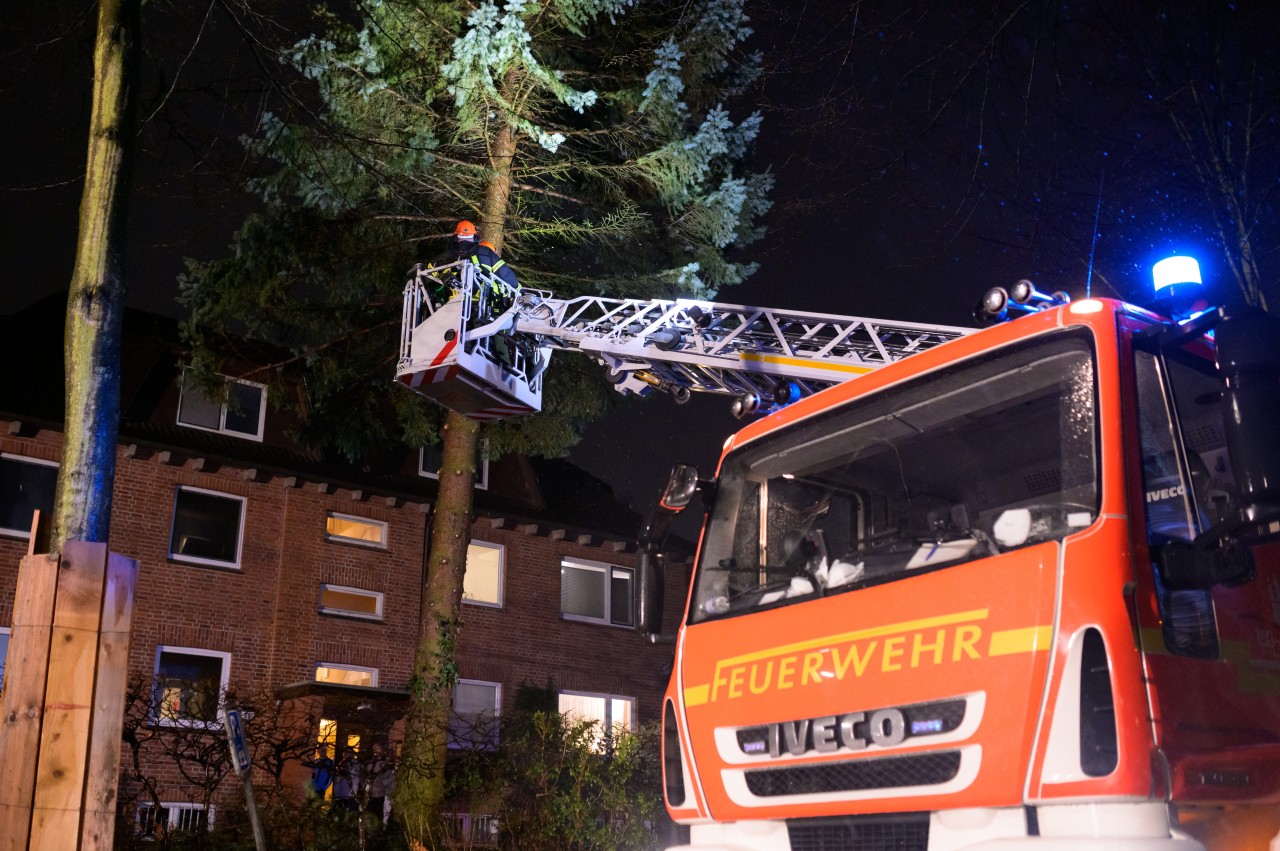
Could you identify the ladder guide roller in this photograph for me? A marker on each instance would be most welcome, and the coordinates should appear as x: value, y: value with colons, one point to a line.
x: 489, y: 364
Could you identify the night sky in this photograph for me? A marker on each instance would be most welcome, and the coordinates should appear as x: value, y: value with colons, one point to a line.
x: 923, y: 153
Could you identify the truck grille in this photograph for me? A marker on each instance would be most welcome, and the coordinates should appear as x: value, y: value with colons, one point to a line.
x: 850, y: 775
x: 922, y: 719
x: 904, y: 832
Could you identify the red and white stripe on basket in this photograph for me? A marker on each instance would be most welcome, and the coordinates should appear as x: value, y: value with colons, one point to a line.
x: 430, y: 376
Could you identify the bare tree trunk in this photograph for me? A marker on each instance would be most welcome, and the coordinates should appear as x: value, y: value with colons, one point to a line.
x: 420, y: 779
x: 95, y: 304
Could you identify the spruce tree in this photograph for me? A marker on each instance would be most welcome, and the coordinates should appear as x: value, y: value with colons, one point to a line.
x: 595, y: 144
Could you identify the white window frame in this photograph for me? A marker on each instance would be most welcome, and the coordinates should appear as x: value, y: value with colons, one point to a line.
x: 4, y: 658
x: 607, y: 724
x: 225, y: 677
x: 222, y: 418
x: 482, y: 469
x: 607, y: 569
x: 173, y: 808
x: 377, y: 596
x: 24, y: 534
x: 338, y: 515
x: 497, y: 711
x: 502, y: 576
x: 239, y: 531
x: 342, y: 666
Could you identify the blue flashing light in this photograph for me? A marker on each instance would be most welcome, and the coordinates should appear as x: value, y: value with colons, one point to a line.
x: 1172, y: 271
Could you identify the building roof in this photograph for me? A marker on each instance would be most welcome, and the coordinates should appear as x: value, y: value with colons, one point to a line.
x: 521, y: 490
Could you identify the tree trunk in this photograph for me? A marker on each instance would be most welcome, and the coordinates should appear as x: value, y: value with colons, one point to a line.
x: 493, y: 218
x: 420, y: 782
x: 420, y: 778
x: 95, y: 303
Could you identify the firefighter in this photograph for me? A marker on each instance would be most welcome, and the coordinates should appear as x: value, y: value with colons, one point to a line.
x: 498, y: 298
x: 486, y: 259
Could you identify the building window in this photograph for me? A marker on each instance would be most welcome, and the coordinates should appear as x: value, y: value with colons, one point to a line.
x: 594, y: 592
x: 430, y: 458
x: 242, y: 414
x: 355, y: 530
x: 346, y: 675
x: 207, y: 527
x: 170, y: 818
x: 352, y: 602
x: 189, y: 685
x: 26, y: 485
x: 474, y: 720
x: 4, y: 653
x: 608, y: 711
x: 482, y: 581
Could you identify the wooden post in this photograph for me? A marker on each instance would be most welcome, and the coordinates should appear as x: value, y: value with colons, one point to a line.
x: 68, y: 696
x: 63, y: 704
x: 25, y: 675
x: 103, y: 780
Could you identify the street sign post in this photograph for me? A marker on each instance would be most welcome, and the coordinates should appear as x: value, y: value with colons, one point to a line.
x: 235, y: 739
x: 242, y: 763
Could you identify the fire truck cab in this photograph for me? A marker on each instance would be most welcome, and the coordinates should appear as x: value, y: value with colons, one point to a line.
x: 1019, y: 590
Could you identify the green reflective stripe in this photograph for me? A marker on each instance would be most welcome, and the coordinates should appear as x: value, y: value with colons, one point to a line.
x: 490, y: 269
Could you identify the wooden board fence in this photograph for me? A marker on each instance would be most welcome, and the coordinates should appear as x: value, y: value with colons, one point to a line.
x: 63, y: 701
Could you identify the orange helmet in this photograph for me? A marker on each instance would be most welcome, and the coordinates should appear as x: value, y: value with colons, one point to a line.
x: 464, y: 228
x: 489, y: 245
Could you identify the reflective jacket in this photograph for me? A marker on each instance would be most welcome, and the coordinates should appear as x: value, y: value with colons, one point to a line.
x: 488, y: 260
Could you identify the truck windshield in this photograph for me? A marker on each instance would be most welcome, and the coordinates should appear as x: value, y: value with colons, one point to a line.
x: 988, y: 456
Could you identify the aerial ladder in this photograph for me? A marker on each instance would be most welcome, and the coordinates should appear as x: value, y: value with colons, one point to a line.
x: 478, y: 347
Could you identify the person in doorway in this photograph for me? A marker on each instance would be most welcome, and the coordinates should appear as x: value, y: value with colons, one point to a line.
x: 321, y: 776
x: 346, y: 781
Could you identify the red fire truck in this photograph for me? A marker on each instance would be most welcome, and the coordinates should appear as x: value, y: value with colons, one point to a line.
x: 1020, y: 589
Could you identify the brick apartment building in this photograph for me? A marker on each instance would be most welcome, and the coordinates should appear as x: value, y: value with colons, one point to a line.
x: 266, y: 566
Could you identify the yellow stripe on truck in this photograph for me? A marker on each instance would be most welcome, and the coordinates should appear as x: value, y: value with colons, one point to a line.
x: 756, y: 357
x: 927, y: 642
x: 1026, y: 640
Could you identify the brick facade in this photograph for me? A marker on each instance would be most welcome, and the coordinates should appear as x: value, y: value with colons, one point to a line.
x: 265, y: 613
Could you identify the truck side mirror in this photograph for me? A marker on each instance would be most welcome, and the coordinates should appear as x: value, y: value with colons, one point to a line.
x: 1184, y: 565
x: 1248, y: 352
x: 681, y: 485
x: 676, y: 495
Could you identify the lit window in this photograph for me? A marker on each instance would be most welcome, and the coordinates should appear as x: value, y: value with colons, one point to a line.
x: 189, y: 684
x: 608, y: 711
x: 171, y: 817
x: 207, y: 527
x: 4, y: 653
x: 242, y: 414
x: 26, y: 484
x: 474, y: 720
x: 355, y: 530
x: 430, y: 458
x: 353, y: 602
x: 599, y: 593
x: 482, y: 582
x: 346, y: 675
